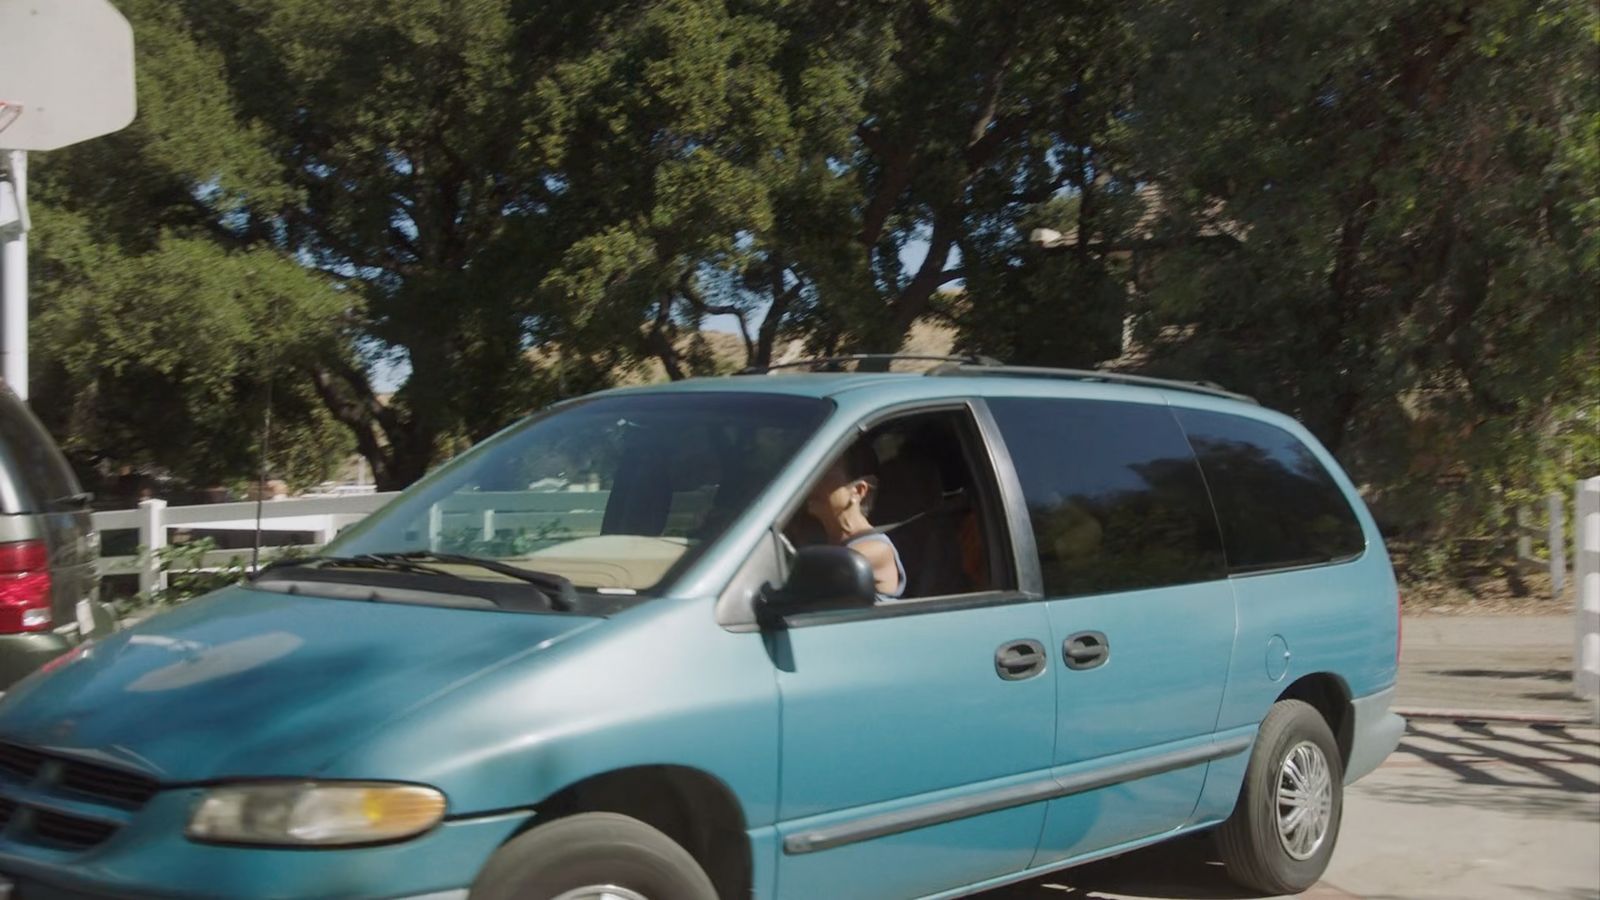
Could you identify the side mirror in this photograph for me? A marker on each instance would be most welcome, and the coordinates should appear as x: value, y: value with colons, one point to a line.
x: 823, y: 579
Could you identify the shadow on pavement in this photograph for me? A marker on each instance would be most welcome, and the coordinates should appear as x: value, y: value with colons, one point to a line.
x: 1562, y: 675
x: 1185, y: 868
x: 1551, y: 769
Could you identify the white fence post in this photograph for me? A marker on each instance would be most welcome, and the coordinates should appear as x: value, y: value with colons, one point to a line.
x: 435, y: 526
x: 328, y: 530
x: 1586, y: 566
x: 153, y: 538
x: 1557, y: 544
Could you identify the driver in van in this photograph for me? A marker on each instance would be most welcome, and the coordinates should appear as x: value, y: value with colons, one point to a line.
x: 841, y: 502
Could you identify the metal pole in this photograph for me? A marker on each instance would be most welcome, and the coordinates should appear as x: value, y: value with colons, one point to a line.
x: 1558, y: 545
x: 14, y: 285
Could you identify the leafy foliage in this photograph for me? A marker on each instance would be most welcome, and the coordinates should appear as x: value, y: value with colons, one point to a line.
x: 1393, y: 236
x: 189, y: 576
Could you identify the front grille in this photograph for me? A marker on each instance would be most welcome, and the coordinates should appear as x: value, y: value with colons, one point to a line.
x: 20, y: 761
x: 69, y: 832
x: 31, y: 779
x: 103, y: 783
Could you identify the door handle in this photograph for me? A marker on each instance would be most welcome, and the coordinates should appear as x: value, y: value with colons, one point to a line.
x: 1020, y: 660
x: 1086, y: 650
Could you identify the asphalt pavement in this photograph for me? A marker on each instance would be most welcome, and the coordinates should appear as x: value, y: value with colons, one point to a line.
x: 1466, y: 811
x: 1516, y: 664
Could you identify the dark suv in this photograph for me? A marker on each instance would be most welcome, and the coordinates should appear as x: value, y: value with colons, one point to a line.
x: 48, y: 549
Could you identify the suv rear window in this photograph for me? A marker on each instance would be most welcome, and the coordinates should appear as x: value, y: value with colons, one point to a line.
x: 1278, y: 506
x: 1116, y: 499
x: 33, y: 474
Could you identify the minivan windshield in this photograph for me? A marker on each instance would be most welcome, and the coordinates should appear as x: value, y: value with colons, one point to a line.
x: 615, y: 494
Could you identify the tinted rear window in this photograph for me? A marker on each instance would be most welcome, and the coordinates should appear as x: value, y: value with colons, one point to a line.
x: 34, y: 469
x: 1116, y: 499
x: 1278, y: 506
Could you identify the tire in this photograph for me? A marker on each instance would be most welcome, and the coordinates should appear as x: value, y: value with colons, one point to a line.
x: 1257, y: 856
x: 592, y: 850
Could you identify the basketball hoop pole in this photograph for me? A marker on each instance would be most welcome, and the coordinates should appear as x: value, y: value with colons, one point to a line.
x: 14, y: 278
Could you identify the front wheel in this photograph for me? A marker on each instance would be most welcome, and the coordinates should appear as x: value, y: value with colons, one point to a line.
x: 592, y: 856
x: 1282, y: 832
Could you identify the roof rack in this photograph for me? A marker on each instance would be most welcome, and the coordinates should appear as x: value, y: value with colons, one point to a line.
x: 1194, y: 387
x: 832, y: 363
x: 975, y: 364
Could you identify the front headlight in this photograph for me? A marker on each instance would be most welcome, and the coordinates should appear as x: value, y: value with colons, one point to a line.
x: 315, y: 814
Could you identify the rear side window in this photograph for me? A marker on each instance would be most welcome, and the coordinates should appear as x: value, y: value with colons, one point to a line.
x: 37, y: 474
x: 1115, y: 496
x: 1277, y: 504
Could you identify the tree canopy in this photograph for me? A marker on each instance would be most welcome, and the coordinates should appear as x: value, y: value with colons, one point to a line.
x: 1379, y: 217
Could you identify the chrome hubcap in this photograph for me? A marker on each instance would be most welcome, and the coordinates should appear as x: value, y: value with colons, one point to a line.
x: 1304, y: 800
x: 602, y: 892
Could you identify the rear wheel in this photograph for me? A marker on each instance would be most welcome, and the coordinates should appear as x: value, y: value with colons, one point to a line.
x: 1282, y: 832
x: 593, y: 856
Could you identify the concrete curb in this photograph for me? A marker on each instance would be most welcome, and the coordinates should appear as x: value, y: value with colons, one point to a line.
x: 1493, y: 715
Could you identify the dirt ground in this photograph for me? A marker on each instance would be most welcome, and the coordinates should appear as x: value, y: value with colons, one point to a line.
x: 1491, y: 595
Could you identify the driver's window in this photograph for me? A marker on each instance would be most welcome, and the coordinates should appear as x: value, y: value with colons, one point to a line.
x: 913, y: 497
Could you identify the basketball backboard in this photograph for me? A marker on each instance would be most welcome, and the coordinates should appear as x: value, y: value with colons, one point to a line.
x: 66, y: 72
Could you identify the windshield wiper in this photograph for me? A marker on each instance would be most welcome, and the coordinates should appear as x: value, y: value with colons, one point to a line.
x: 559, y: 592
x: 562, y: 592
x: 360, y: 561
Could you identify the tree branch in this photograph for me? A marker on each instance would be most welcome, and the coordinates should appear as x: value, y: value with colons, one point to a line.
x: 355, y: 415
x: 895, y: 171
x: 691, y: 294
x: 659, y: 340
x: 912, y: 301
x: 782, y: 296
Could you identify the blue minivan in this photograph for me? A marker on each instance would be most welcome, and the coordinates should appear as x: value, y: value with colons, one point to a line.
x: 829, y: 635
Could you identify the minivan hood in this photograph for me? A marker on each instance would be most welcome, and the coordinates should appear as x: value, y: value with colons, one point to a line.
x: 248, y: 683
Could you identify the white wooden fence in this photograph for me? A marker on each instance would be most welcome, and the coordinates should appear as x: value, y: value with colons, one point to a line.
x: 1585, y: 572
x: 322, y: 517
x: 483, y: 515
x: 1553, y: 534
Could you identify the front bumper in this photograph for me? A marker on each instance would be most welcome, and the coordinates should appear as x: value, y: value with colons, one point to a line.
x: 1375, y: 733
x: 150, y: 858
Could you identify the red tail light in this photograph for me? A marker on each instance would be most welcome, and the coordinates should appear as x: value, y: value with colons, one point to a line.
x: 25, y: 587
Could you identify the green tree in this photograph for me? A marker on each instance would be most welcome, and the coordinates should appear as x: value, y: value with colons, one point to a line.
x: 1382, y: 218
x: 159, y: 336
x: 487, y: 178
x: 934, y: 124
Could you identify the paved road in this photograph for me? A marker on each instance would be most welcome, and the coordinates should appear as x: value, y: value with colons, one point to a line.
x: 1512, y: 663
x: 1462, y: 811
